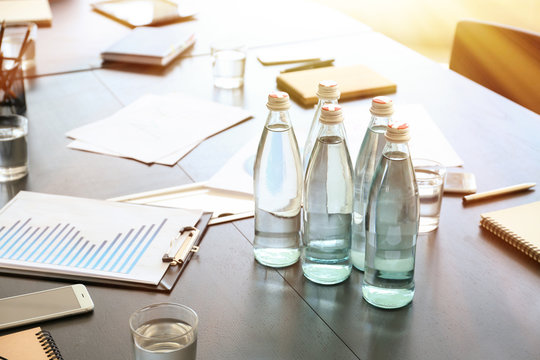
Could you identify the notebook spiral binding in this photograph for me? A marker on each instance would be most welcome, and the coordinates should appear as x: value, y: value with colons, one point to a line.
x: 49, y: 345
x: 510, y: 237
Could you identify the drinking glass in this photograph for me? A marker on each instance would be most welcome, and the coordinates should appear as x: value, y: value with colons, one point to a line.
x: 165, y: 331
x: 13, y: 147
x: 229, y: 63
x: 430, y: 181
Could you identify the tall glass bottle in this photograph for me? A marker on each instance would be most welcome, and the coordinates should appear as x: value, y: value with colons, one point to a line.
x: 328, y: 93
x: 328, y: 203
x: 392, y: 220
x: 277, y: 180
x: 370, y: 152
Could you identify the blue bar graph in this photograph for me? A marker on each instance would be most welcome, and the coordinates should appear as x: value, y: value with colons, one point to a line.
x: 64, y: 245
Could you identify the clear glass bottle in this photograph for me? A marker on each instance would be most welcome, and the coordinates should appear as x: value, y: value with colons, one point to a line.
x: 368, y: 157
x: 392, y: 220
x: 328, y: 93
x: 277, y: 181
x: 328, y: 203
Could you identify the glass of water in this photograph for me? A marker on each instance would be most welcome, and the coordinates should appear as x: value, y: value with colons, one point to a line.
x: 13, y: 147
x: 430, y: 180
x: 165, y: 331
x: 229, y: 63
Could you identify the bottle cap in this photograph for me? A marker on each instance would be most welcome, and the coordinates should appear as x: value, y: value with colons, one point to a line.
x: 331, y: 114
x: 398, y: 132
x: 382, y: 106
x: 278, y: 101
x: 328, y: 89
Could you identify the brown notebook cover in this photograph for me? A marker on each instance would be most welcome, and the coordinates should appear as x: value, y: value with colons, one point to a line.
x: 355, y: 81
x: 31, y: 344
x: 517, y: 226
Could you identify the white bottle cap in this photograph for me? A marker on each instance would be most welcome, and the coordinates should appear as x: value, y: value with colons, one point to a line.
x: 328, y: 89
x: 382, y: 106
x: 278, y: 101
x: 398, y: 132
x: 331, y: 114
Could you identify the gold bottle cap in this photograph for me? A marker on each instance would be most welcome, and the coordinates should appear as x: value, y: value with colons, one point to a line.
x: 382, y: 106
x: 278, y: 101
x: 328, y: 89
x: 398, y: 132
x: 331, y: 114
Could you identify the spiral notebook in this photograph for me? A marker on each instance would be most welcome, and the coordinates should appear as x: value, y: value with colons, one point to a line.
x: 517, y: 226
x: 31, y: 344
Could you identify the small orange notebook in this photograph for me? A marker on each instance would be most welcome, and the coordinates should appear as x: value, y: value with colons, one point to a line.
x: 517, y: 226
x: 31, y: 344
x: 355, y: 81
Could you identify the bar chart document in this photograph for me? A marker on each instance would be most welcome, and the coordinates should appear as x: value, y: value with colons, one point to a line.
x: 90, y: 238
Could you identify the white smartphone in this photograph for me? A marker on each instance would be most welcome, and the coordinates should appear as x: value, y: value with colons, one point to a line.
x: 44, y: 305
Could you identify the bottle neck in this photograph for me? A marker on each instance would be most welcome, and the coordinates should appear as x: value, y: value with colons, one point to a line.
x: 278, y: 118
x: 332, y: 130
x: 396, y: 151
x: 323, y: 101
x: 379, y: 122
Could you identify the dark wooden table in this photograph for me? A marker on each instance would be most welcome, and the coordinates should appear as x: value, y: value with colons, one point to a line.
x: 476, y: 297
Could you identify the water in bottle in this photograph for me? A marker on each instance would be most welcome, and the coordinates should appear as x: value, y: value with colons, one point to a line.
x: 392, y: 220
x: 328, y: 203
x: 366, y: 161
x: 277, y: 188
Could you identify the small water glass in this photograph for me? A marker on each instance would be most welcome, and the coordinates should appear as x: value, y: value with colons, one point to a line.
x: 430, y: 181
x: 229, y: 63
x: 165, y: 331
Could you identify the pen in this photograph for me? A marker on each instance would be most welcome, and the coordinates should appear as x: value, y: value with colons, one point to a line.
x: 497, y: 192
x: 310, y: 65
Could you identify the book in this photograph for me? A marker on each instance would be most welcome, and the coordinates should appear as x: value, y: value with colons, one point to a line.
x: 17, y: 11
x: 35, y: 344
x: 354, y: 81
x: 150, y: 46
x: 517, y: 226
x: 135, y: 13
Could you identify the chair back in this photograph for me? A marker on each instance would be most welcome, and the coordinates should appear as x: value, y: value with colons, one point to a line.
x: 502, y: 58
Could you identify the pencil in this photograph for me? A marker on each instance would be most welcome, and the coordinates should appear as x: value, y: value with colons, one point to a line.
x: 497, y: 192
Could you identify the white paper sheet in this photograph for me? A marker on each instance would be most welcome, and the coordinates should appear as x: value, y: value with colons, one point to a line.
x: 168, y: 160
x: 155, y: 127
x: 427, y: 141
x: 90, y: 238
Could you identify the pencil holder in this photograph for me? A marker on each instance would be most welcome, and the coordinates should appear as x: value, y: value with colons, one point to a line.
x: 12, y: 97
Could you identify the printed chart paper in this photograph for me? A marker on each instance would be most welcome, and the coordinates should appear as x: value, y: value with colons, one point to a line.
x: 89, y: 238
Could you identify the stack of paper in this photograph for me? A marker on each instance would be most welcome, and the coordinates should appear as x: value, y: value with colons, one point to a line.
x: 157, y: 129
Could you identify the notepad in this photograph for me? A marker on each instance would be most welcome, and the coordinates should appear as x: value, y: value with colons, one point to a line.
x: 150, y: 46
x: 517, y: 226
x: 31, y: 344
x: 355, y: 81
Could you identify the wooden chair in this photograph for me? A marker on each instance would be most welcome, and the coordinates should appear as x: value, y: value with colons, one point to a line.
x: 502, y: 58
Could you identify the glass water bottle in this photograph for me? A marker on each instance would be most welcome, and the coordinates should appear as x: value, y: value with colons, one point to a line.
x: 277, y: 181
x: 328, y: 93
x: 328, y: 203
x: 366, y: 161
x: 392, y: 220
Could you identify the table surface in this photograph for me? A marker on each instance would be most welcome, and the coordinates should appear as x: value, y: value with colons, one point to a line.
x: 476, y: 297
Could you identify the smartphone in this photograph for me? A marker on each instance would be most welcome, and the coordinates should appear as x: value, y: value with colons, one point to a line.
x: 44, y: 305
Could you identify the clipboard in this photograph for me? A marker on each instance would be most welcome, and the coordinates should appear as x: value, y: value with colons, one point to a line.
x: 69, y: 238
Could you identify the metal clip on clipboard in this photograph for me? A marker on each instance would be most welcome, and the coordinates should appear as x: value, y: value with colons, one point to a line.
x: 188, y: 236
